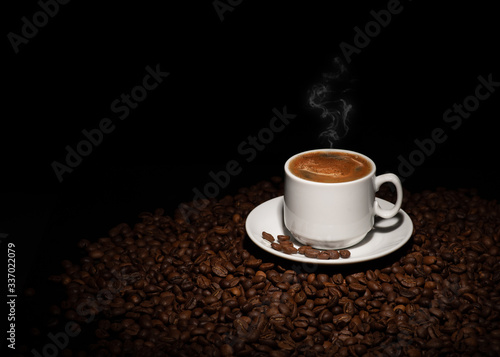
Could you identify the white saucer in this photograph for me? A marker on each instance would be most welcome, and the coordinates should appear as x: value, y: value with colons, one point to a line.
x: 387, y: 235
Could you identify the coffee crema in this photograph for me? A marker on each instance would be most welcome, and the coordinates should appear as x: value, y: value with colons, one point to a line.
x: 330, y: 167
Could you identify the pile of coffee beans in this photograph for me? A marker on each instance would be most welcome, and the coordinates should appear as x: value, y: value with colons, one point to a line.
x: 286, y: 246
x: 194, y: 284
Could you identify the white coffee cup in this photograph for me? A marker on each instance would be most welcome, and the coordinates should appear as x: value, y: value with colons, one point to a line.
x: 335, y: 215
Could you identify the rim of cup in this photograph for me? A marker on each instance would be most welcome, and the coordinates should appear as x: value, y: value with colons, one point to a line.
x: 292, y: 176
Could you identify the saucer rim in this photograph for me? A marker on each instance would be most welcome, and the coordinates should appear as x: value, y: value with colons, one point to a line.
x: 303, y: 259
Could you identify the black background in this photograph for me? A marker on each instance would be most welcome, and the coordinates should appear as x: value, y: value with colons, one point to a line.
x: 225, y: 79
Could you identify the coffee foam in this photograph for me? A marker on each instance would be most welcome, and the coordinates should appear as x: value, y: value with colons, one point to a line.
x: 330, y: 167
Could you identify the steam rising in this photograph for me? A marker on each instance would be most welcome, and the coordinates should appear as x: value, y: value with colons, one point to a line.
x: 327, y: 96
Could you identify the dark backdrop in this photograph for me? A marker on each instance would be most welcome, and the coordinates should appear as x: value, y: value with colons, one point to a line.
x: 232, y: 66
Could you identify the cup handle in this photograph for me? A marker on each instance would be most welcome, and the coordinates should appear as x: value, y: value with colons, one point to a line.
x: 388, y: 213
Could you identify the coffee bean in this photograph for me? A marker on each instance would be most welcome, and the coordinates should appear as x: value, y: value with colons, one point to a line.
x: 277, y: 319
x: 402, y: 300
x: 374, y: 286
x: 344, y: 253
x: 298, y: 334
x: 300, y: 297
x: 226, y: 350
x: 266, y: 266
x: 324, y: 255
x: 334, y: 254
x: 267, y: 236
x: 219, y: 270
x: 96, y: 254
x: 253, y: 263
x: 276, y: 246
x: 429, y: 260
x: 434, y: 343
x: 349, y: 307
x: 341, y: 320
x: 325, y: 316
x: 359, y: 288
x: 289, y: 249
x: 310, y: 290
x: 306, y: 311
x: 188, y: 283
x: 283, y: 238
x: 303, y: 248
x: 311, y: 253
x: 286, y: 345
x: 406, y: 281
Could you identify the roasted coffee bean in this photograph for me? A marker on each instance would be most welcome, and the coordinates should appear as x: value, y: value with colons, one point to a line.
x: 277, y: 319
x: 374, y: 286
x: 324, y: 255
x: 186, y: 284
x: 298, y: 334
x: 429, y: 260
x: 344, y: 253
x: 406, y: 281
x: 266, y: 266
x: 359, y: 288
x: 325, y: 316
x: 289, y: 249
x: 277, y: 246
x: 286, y: 245
x: 311, y: 253
x: 219, y: 270
x: 96, y: 254
x: 341, y: 320
x: 334, y: 254
x: 283, y: 238
x: 203, y: 282
x: 267, y: 236
x: 303, y: 248
x: 300, y: 297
